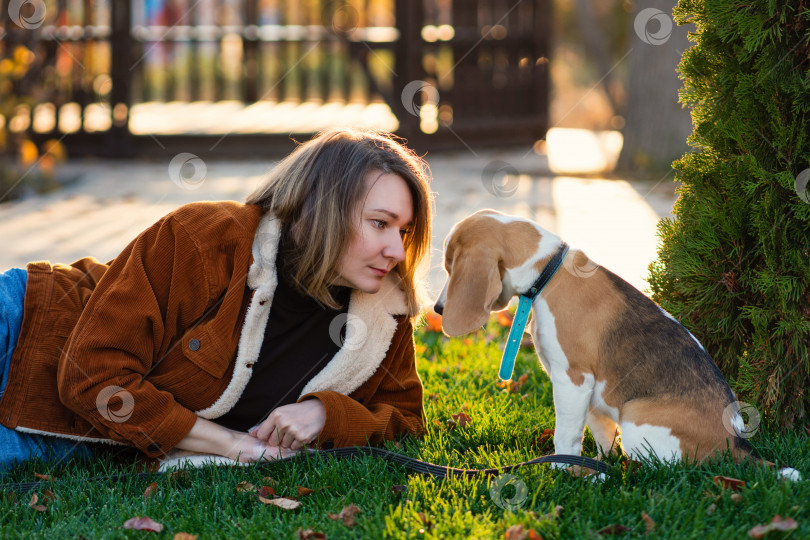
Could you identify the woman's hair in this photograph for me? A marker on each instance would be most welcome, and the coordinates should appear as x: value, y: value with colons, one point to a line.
x: 315, y: 192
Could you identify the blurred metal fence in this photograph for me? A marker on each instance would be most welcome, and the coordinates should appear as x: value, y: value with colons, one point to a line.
x: 451, y: 73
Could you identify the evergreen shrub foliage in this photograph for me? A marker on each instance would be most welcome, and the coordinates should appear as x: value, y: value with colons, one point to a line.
x: 734, y: 266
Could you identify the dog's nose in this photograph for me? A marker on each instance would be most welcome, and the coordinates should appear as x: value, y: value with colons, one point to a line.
x: 438, y: 308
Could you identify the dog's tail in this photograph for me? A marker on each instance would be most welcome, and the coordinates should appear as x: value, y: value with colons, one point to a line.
x: 742, y: 451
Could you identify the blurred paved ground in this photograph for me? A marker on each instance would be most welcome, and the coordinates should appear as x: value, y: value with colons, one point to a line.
x: 612, y: 220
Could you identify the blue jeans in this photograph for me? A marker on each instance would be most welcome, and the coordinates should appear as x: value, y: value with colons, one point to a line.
x: 16, y: 445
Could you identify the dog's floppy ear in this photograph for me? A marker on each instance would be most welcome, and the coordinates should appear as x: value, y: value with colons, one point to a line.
x: 474, y: 285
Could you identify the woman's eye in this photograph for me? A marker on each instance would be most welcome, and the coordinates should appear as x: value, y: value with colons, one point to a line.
x: 378, y: 223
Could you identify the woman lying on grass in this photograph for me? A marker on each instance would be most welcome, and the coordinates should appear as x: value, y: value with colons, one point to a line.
x: 248, y: 331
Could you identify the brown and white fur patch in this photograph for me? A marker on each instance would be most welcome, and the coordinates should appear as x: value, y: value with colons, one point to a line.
x: 617, y: 361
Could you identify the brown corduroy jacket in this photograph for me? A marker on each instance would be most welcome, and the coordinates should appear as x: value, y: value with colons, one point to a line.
x: 133, y: 351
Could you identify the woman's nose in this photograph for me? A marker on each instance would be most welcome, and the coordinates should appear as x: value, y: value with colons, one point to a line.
x: 394, y: 248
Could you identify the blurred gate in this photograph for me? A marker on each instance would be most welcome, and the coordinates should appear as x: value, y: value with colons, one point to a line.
x: 241, y: 77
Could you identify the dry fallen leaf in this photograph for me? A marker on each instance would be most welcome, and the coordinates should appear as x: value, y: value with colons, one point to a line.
x: 267, y: 492
x: 33, y: 504
x: 49, y: 496
x: 630, y: 466
x: 270, y: 481
x: 580, y: 471
x: 304, y: 491
x: 710, y: 510
x: 281, y: 502
x: 776, y: 524
x: 648, y: 522
x: 46, y: 477
x: 461, y: 420
x: 184, y: 536
x: 515, y: 532
x: 727, y: 482
x: 347, y: 514
x: 807, y: 430
x: 613, y: 529
x: 544, y: 442
x: 433, y: 321
x: 245, y: 486
x: 736, y: 497
x: 143, y: 524
x: 309, y: 534
x: 514, y: 386
x: 150, y: 490
x: 181, y: 477
x: 505, y: 318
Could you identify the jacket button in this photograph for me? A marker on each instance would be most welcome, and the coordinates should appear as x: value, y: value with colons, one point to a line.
x: 194, y: 344
x: 153, y: 448
x: 328, y: 445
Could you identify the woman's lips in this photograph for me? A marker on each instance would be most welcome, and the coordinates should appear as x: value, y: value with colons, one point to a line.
x: 379, y: 271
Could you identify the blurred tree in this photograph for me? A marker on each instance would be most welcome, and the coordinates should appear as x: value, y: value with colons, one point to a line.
x: 23, y: 166
x: 656, y: 125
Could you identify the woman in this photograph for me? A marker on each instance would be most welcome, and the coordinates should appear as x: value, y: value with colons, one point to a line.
x: 288, y: 317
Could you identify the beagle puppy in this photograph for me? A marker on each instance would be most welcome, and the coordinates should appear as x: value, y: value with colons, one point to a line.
x: 617, y: 361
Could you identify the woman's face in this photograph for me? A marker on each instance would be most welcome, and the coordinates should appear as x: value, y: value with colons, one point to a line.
x: 376, y: 244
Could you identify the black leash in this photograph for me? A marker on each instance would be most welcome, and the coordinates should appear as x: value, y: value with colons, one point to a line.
x: 421, y: 467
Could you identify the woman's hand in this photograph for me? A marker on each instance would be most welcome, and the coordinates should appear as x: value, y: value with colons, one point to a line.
x: 248, y: 449
x: 292, y: 426
x: 207, y: 437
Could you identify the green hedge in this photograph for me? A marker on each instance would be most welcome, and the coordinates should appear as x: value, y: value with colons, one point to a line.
x: 734, y: 266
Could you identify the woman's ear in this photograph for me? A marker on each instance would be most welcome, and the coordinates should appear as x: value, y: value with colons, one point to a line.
x: 473, y: 287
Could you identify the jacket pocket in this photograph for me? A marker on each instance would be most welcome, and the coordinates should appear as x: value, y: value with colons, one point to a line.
x: 206, y: 351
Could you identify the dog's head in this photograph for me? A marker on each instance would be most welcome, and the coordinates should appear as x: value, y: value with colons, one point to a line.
x: 487, y: 255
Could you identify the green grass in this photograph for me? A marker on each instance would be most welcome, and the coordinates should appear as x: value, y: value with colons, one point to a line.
x: 458, y: 375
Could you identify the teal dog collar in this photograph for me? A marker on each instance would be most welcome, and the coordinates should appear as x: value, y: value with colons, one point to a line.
x: 523, y: 310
